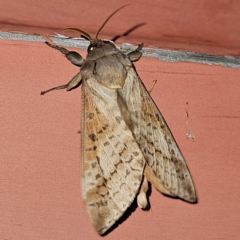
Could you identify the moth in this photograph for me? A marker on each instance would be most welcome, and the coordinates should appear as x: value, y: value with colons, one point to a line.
x: 126, y: 143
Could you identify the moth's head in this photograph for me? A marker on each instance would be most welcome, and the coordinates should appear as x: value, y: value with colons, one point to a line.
x: 100, y: 48
x: 97, y: 46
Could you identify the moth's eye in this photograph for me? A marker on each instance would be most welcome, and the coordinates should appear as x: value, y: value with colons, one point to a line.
x: 90, y: 48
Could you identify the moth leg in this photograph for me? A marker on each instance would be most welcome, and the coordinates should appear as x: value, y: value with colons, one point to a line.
x: 136, y: 54
x: 142, y: 197
x: 153, y: 84
x: 75, y: 82
x: 74, y: 57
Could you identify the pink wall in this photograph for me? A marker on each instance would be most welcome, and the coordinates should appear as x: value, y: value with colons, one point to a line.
x: 40, y: 164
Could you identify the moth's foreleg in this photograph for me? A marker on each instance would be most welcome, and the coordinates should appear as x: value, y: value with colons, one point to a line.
x: 136, y: 54
x: 74, y: 57
x: 75, y: 82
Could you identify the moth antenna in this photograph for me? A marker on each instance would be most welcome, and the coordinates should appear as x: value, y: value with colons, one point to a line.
x: 83, y: 33
x: 83, y: 36
x: 108, y: 19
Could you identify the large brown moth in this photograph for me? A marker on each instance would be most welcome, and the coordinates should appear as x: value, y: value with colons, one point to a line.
x: 126, y: 142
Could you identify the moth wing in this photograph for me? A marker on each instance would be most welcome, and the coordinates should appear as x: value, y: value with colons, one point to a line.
x: 166, y: 168
x: 112, y: 163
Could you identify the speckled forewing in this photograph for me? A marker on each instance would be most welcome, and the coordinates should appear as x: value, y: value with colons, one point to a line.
x: 155, y: 140
x: 112, y: 163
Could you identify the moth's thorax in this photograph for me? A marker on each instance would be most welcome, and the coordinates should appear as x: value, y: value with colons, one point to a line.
x: 106, y: 64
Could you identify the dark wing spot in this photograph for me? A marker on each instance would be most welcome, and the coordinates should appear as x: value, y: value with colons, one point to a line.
x: 118, y: 119
x: 93, y: 137
x: 94, y: 165
x: 97, y: 111
x: 111, y: 137
x: 136, y: 153
x: 90, y: 115
x: 106, y: 144
x: 98, y: 176
x: 105, y: 127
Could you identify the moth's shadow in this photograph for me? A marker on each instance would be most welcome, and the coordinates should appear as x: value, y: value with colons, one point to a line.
x: 128, y: 31
x: 129, y: 211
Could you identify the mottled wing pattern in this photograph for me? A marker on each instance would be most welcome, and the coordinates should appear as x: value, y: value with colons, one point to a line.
x: 155, y: 140
x: 112, y: 163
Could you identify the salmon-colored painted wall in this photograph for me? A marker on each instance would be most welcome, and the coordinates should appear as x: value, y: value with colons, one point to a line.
x: 40, y: 146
